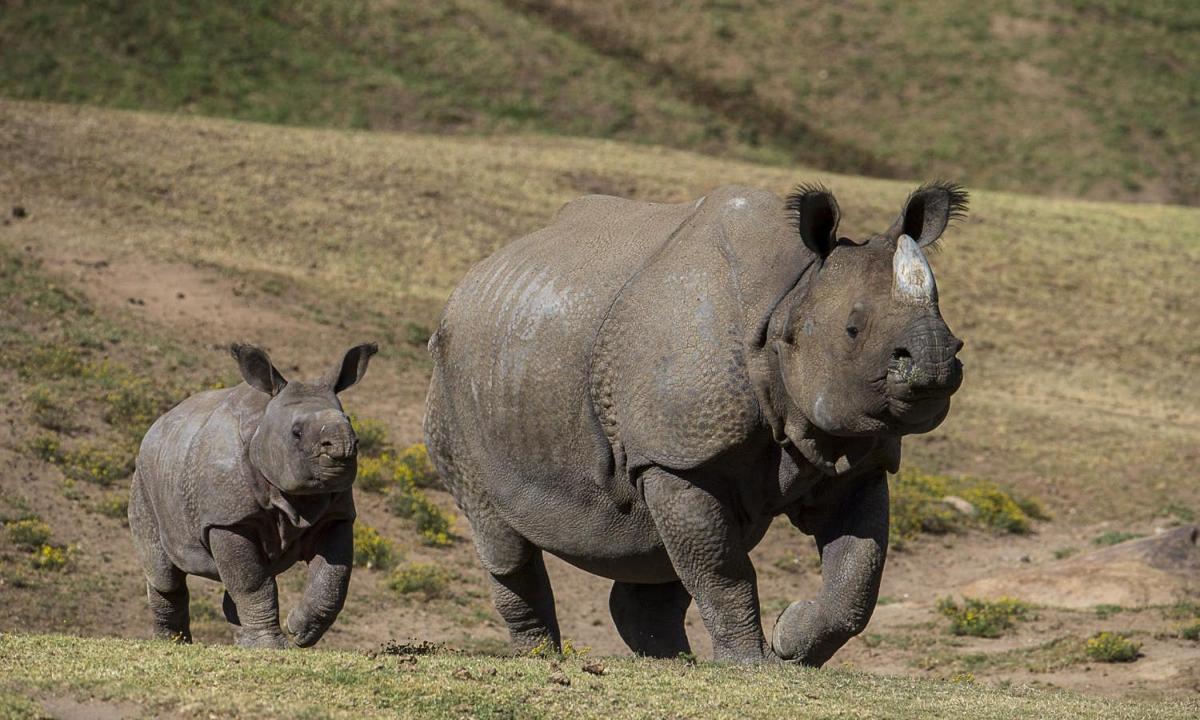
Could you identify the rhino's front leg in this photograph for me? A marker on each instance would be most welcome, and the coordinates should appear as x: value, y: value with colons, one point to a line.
x: 243, y: 569
x: 329, y: 568
x: 706, y: 548
x: 853, y: 542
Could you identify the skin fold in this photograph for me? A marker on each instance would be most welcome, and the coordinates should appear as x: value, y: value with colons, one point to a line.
x: 237, y: 485
x: 640, y: 388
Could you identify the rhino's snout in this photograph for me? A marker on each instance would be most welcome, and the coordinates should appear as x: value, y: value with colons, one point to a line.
x: 337, y: 442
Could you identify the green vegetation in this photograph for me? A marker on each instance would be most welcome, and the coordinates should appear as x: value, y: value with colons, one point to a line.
x: 371, y: 550
x: 1112, y: 647
x: 424, y: 579
x: 161, y: 678
x: 1106, y: 611
x: 1190, y: 631
x: 30, y: 531
x: 372, y: 439
x: 1114, y: 537
x: 114, y: 505
x: 919, y: 506
x: 402, y: 476
x: 982, y: 618
x: 1063, y: 553
x: 1079, y: 98
x: 52, y: 557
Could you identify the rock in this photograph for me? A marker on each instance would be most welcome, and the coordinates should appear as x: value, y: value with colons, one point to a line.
x: 1158, y: 570
x: 960, y: 505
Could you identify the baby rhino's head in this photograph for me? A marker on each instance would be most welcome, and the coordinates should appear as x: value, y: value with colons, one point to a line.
x: 304, y: 443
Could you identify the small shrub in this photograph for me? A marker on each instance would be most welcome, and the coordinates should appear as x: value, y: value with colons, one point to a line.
x: 45, y: 447
x: 429, y: 581
x: 1113, y: 537
x: 114, y: 505
x: 375, y: 474
x: 416, y: 334
x: 30, y: 532
x: 1112, y: 647
x: 371, y: 550
x: 434, y: 525
x: 372, y: 437
x: 1064, y: 552
x: 998, y: 510
x: 1190, y: 632
x: 51, y: 362
x: 49, y: 409
x: 1106, y: 611
x: 132, y: 404
x: 982, y: 618
x: 416, y: 459
x: 99, y: 464
x: 51, y: 557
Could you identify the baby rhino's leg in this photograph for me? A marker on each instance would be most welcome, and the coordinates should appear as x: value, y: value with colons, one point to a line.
x: 243, y: 569
x: 166, y: 585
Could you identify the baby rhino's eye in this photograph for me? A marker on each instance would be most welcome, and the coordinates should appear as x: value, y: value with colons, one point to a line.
x: 297, y: 431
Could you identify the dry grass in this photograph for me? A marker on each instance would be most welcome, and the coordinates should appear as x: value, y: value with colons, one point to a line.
x: 1080, y: 318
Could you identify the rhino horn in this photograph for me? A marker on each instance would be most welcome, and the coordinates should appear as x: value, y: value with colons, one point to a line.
x: 912, y: 279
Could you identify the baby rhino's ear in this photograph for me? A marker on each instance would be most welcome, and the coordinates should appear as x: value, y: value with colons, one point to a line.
x: 257, y: 370
x: 352, y: 368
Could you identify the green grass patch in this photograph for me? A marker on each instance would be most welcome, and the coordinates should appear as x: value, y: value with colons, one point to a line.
x: 982, y: 618
x: 113, y: 505
x: 1112, y: 647
x: 1114, y: 537
x: 161, y: 679
x: 1190, y: 631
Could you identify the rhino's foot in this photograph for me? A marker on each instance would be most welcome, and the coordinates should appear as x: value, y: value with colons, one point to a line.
x: 270, y: 638
x: 804, y: 636
x: 304, y: 629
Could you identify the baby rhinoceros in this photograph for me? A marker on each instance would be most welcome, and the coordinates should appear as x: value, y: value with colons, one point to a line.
x: 238, y: 484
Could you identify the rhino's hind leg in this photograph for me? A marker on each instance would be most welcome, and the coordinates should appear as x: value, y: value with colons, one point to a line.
x: 650, y: 618
x: 166, y: 585
x: 525, y: 600
x: 520, y: 586
x: 169, y: 606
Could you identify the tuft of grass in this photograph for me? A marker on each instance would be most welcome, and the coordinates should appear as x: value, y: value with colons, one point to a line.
x: 30, y: 532
x: 1105, y: 611
x: 50, y: 410
x: 982, y: 618
x: 371, y: 550
x: 1190, y: 631
x: 424, y: 579
x: 1063, y: 553
x: 1114, y: 537
x: 1112, y: 647
x: 435, y: 526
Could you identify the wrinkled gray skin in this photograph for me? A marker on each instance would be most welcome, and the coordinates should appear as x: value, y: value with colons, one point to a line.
x: 640, y: 388
x: 236, y: 485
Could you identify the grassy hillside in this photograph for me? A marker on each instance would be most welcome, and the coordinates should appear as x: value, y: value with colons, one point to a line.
x: 146, y: 243
x: 92, y: 677
x: 1095, y: 99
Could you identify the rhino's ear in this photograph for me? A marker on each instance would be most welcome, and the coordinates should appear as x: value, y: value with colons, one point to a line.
x: 352, y: 367
x: 929, y: 210
x: 257, y: 370
x: 815, y: 213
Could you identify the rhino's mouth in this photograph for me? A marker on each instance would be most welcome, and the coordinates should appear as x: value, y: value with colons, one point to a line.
x: 334, y: 472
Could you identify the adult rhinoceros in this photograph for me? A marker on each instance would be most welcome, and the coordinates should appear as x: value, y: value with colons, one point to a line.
x: 640, y: 388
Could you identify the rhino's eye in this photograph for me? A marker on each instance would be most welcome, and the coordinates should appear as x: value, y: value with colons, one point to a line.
x: 852, y: 331
x: 297, y: 431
